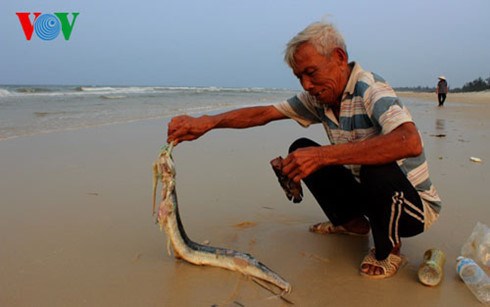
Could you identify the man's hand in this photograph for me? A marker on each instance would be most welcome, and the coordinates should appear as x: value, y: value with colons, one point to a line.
x: 302, y: 162
x: 402, y: 142
x: 186, y: 128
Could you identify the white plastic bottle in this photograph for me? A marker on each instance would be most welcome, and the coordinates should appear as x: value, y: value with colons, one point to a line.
x: 475, y: 278
x: 483, y: 250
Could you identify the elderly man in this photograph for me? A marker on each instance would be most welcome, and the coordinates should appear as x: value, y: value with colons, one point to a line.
x: 373, y: 176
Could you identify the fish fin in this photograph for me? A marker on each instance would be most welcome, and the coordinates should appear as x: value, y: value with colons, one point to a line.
x: 267, y: 286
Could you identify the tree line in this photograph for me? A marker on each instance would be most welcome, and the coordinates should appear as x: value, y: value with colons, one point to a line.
x: 476, y: 85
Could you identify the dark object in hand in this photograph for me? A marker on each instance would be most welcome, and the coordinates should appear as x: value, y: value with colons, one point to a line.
x: 292, y: 189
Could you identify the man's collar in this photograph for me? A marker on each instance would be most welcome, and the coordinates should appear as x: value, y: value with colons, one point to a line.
x: 351, y: 84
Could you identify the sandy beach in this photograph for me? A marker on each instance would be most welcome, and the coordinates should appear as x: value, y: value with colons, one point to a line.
x: 77, y: 228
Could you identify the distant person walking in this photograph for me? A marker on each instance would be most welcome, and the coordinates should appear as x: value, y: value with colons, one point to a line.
x: 441, y: 90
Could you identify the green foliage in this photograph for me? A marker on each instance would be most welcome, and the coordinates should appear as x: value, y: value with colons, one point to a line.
x: 476, y: 85
x: 418, y: 89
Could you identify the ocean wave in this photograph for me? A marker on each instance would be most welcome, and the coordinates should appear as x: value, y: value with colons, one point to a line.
x: 95, y: 89
x: 33, y: 90
x: 4, y: 92
x: 125, y: 90
x: 163, y: 89
x: 44, y: 114
x: 31, y: 112
x: 112, y: 96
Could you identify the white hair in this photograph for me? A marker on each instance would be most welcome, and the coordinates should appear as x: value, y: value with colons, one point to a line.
x: 322, y: 35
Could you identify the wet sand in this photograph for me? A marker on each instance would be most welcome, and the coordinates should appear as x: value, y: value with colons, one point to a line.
x: 77, y: 228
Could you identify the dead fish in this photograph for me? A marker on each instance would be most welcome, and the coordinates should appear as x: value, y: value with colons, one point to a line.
x: 184, y: 248
x: 292, y: 189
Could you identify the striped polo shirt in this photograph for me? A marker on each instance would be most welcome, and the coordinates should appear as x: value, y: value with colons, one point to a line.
x: 369, y: 107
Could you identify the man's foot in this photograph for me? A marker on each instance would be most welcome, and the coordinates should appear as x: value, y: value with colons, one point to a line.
x: 359, y: 226
x: 379, y: 269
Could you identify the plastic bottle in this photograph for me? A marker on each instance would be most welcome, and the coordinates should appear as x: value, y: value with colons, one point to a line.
x: 483, y: 250
x: 431, y: 270
x: 475, y: 278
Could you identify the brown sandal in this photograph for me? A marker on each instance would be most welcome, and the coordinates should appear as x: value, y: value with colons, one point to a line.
x: 389, y: 266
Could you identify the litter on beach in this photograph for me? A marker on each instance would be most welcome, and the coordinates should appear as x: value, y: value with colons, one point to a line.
x: 475, y: 159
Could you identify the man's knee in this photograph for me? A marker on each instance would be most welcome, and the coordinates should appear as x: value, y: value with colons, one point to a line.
x: 301, y: 143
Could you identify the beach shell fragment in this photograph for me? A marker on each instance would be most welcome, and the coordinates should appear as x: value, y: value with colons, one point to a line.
x: 475, y: 159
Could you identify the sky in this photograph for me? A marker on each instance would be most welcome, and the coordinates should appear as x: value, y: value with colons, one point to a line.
x: 228, y: 43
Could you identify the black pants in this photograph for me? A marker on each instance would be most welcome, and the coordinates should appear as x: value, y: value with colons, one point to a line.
x: 384, y: 195
x: 441, y: 97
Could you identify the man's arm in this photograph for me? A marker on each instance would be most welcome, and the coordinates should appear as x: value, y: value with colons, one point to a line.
x: 187, y: 128
x: 403, y: 142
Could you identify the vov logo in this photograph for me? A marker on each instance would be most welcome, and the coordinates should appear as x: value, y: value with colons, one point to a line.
x: 47, y: 26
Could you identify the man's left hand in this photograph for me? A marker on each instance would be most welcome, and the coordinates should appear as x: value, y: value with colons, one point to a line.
x: 302, y: 162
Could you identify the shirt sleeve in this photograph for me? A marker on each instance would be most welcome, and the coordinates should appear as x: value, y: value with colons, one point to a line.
x: 302, y: 108
x: 385, y: 108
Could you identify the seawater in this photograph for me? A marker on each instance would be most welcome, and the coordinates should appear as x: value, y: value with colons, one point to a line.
x: 31, y: 110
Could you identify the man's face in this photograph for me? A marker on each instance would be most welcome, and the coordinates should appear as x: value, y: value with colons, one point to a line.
x: 321, y: 76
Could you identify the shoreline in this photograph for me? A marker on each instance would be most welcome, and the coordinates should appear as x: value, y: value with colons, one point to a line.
x: 469, y: 97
